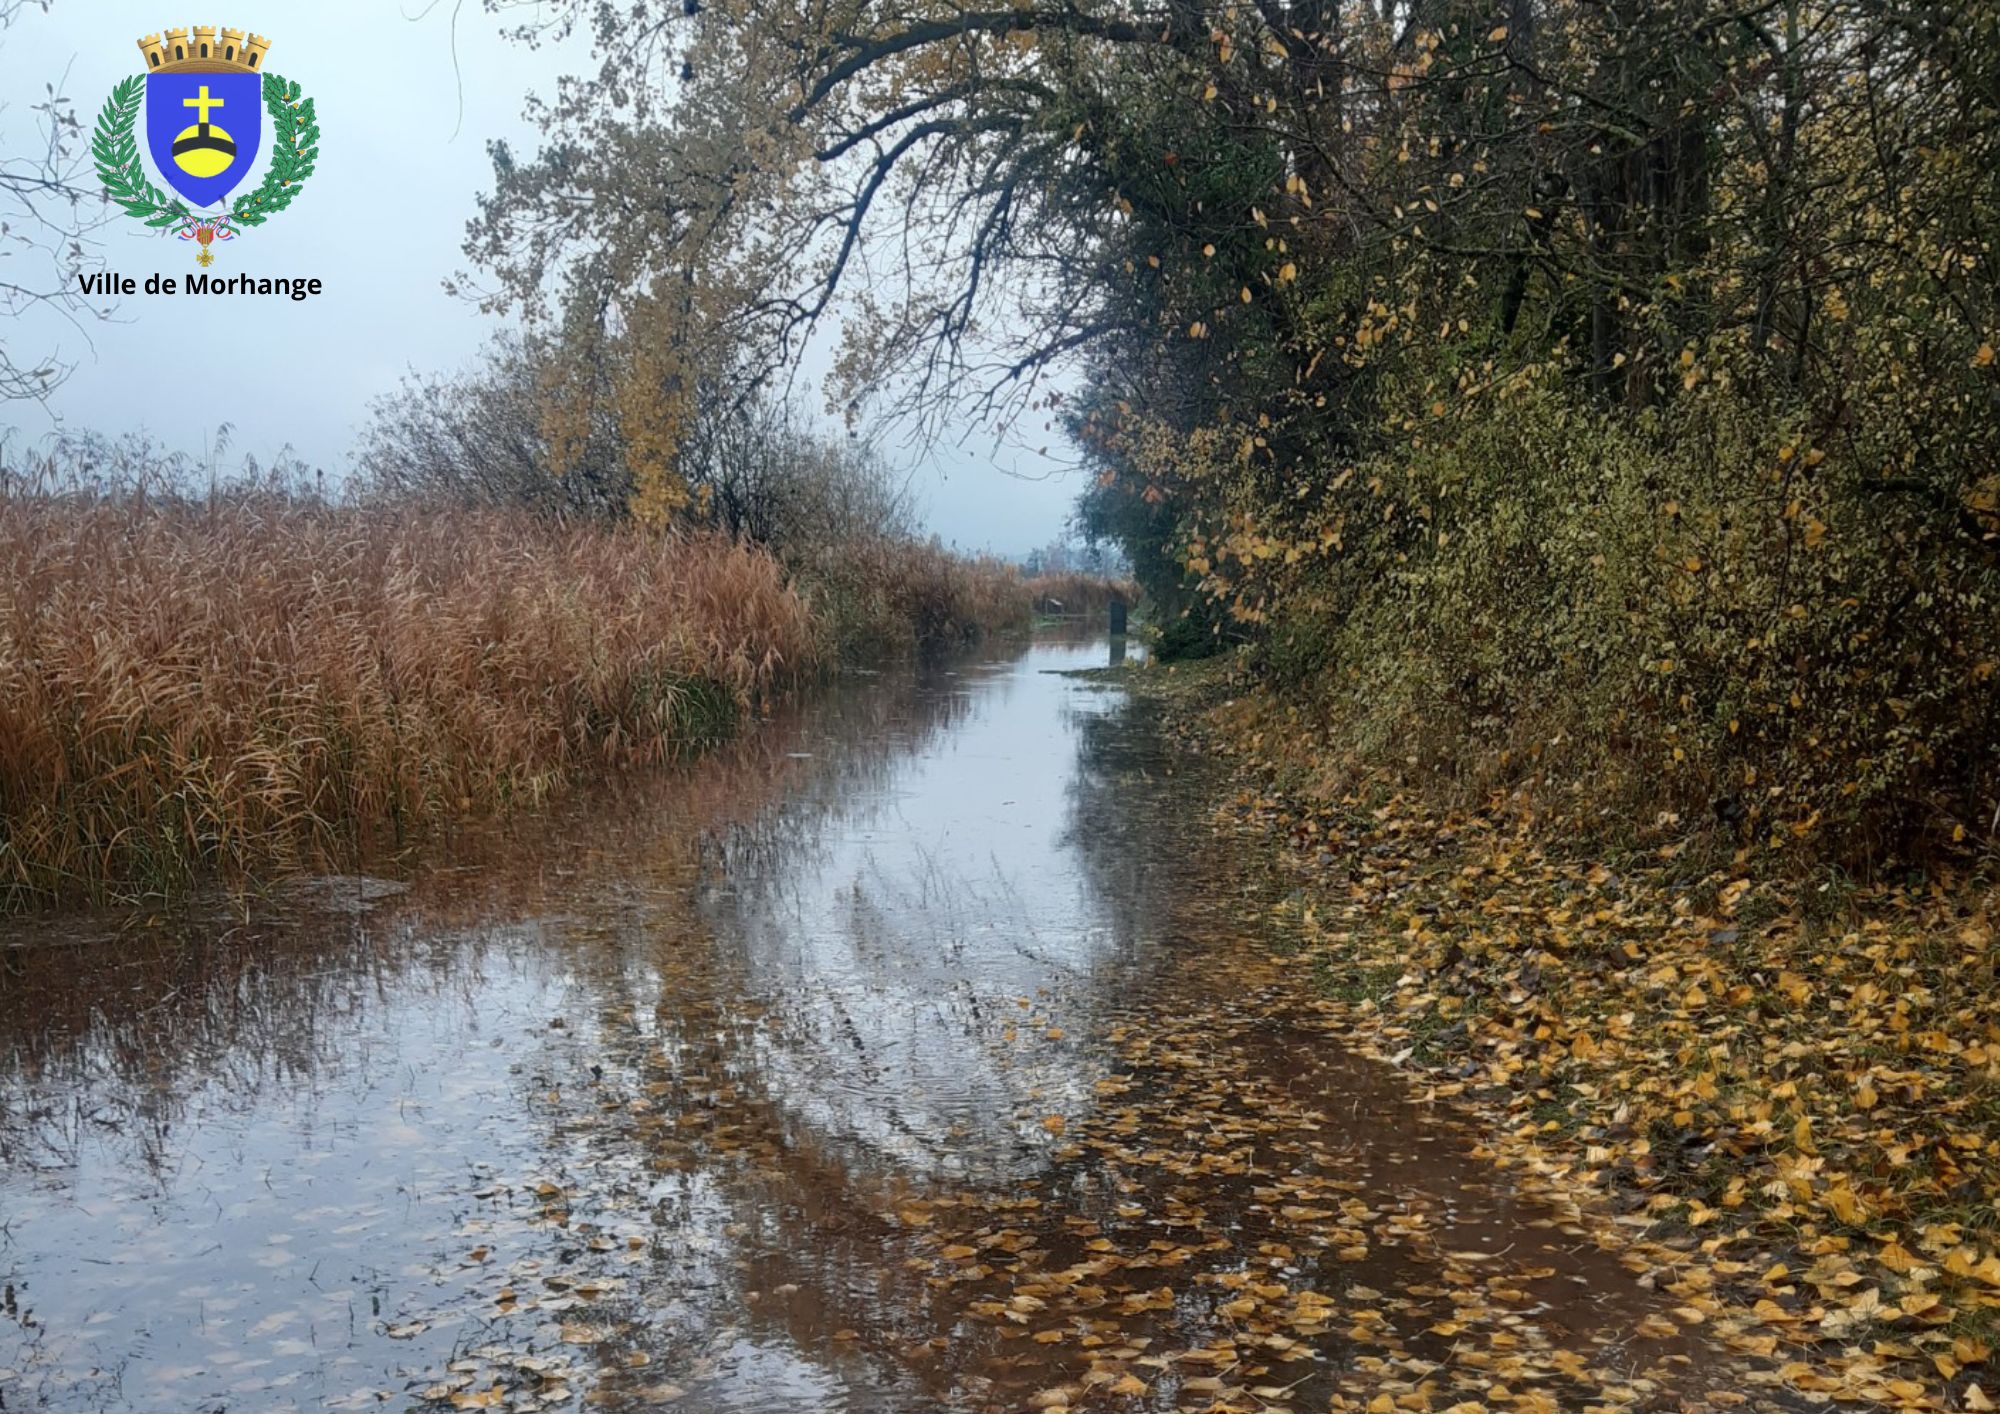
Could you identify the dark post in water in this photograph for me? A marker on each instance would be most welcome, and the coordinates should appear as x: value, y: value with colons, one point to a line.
x: 1117, y: 617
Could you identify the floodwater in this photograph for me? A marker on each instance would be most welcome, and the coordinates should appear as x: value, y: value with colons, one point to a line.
x: 925, y: 1049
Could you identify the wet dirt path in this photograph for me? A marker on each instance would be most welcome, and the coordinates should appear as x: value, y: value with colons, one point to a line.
x: 924, y: 1050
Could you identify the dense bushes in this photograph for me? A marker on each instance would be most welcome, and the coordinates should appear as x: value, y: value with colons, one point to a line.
x: 1693, y: 611
x: 1642, y: 461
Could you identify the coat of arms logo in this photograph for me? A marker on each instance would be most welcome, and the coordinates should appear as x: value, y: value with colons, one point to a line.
x: 206, y: 96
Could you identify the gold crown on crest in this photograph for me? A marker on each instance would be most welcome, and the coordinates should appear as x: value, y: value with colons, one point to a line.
x: 204, y: 50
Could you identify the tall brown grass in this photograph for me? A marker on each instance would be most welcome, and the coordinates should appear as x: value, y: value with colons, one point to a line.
x: 260, y: 680
x: 1073, y: 594
x: 887, y: 594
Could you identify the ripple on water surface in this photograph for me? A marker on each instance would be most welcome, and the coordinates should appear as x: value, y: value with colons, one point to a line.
x: 920, y: 1050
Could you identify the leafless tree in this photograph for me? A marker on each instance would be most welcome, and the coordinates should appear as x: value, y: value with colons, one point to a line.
x: 50, y: 205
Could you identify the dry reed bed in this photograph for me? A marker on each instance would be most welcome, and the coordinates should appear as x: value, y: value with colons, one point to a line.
x: 887, y: 595
x: 1073, y: 594
x: 263, y: 682
x: 891, y: 595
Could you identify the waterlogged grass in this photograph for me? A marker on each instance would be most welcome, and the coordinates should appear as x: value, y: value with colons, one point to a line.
x: 888, y: 596
x: 261, y: 682
x: 257, y: 682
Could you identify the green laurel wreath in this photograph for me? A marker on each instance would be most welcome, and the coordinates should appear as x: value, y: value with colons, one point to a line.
x: 294, y: 151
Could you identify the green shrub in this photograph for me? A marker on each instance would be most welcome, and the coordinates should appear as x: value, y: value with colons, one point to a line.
x: 1694, y: 611
x: 1185, y: 638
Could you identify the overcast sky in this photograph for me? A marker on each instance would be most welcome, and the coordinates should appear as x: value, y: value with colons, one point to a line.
x: 380, y: 223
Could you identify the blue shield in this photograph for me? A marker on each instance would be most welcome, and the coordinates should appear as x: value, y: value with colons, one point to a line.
x: 203, y: 131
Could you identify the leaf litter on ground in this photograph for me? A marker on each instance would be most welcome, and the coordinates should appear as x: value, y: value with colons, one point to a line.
x: 1439, y: 1120
x: 1793, y: 1111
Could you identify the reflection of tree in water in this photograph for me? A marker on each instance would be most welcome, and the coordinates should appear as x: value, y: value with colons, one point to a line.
x: 1128, y: 817
x: 835, y: 1060
x: 110, y: 1025
x: 839, y: 1033
x: 778, y: 1274
x: 762, y: 1134
x: 892, y: 957
x: 113, y: 1038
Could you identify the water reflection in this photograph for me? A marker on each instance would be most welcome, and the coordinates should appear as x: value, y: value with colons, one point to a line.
x: 244, y: 1151
x: 891, y: 961
x: 679, y: 1093
x: 129, y: 1015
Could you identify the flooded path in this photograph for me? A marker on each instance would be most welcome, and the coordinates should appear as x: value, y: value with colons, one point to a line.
x: 924, y: 1050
